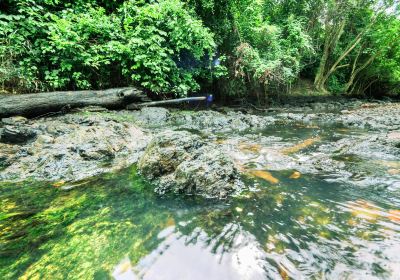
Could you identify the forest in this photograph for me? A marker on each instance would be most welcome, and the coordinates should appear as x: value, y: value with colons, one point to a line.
x: 172, y: 48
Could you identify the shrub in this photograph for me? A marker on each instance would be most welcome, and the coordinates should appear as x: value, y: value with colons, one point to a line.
x: 158, y: 37
x: 85, y: 47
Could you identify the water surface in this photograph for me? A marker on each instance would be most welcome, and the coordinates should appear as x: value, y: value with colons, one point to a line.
x: 115, y: 227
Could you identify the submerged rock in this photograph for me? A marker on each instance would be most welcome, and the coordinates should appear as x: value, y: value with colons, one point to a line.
x: 182, y: 162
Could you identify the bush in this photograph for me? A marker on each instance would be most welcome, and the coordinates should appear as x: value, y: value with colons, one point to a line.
x: 86, y: 47
x: 158, y: 37
x: 269, y: 56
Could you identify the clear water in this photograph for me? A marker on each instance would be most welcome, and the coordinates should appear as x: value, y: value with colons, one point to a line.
x: 115, y: 227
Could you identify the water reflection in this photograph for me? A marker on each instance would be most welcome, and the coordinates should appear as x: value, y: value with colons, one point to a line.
x: 282, y: 232
x: 196, y: 256
x: 289, y: 225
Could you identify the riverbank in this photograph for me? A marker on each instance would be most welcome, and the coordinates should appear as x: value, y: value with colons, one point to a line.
x: 69, y: 148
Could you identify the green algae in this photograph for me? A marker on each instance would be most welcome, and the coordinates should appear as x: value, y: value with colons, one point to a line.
x: 49, y: 232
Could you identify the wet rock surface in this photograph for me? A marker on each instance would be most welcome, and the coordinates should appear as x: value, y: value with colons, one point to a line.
x: 14, y: 120
x: 214, y: 121
x: 151, y: 116
x: 207, y: 152
x: 73, y: 147
x: 17, y: 134
x: 182, y: 162
x: 373, y: 116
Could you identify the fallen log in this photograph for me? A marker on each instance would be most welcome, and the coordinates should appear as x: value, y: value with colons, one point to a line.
x: 40, y: 103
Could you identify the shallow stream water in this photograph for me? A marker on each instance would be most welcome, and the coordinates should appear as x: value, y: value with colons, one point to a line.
x: 115, y: 227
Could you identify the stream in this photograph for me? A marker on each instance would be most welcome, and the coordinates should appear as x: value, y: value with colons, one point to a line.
x: 292, y: 221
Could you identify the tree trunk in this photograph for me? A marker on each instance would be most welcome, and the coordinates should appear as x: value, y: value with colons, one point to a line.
x: 318, y: 81
x: 323, y: 74
x: 355, y: 71
x: 40, y: 103
x: 332, y: 37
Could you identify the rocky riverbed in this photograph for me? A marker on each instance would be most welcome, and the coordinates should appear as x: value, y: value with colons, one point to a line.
x: 208, y: 152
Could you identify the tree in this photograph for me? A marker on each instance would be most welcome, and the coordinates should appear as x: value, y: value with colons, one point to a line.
x: 378, y: 59
x: 365, y: 17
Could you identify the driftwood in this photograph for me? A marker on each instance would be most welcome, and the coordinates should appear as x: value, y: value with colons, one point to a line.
x: 41, y: 103
x: 135, y: 106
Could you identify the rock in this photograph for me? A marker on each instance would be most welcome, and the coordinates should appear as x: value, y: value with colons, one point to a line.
x: 318, y: 106
x: 8, y: 155
x: 152, y: 116
x: 393, y: 138
x: 211, y: 174
x: 44, y: 139
x: 67, y: 151
x: 14, y: 120
x: 4, y: 162
x: 371, y: 146
x: 96, y: 151
x: 77, y: 146
x: 376, y: 117
x: 167, y: 151
x: 216, y: 121
x: 182, y: 162
x: 17, y: 135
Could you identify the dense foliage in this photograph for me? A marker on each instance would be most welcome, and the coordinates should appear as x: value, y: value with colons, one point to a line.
x: 241, y: 48
x: 84, y: 46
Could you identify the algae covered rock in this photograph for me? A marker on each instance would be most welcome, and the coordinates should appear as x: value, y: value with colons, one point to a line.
x: 182, y: 162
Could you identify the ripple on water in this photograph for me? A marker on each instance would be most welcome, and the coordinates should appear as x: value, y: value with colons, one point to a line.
x: 291, y: 225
